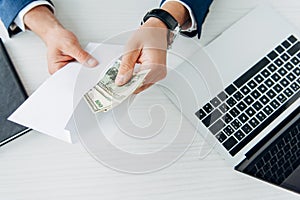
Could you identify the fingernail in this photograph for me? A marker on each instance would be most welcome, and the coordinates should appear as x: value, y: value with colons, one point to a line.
x: 92, y: 62
x: 119, y: 80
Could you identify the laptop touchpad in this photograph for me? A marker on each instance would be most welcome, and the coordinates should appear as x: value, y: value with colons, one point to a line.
x: 293, y: 181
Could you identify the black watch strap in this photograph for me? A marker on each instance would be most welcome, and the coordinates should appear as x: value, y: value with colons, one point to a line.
x: 164, y: 16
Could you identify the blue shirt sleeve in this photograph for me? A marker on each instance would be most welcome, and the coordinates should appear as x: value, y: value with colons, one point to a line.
x: 200, y: 9
x: 9, y: 9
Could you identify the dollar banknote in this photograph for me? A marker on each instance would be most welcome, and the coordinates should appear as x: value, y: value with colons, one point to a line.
x: 105, y: 95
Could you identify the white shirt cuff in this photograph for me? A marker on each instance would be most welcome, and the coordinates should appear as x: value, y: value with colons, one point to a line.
x: 19, y: 19
x: 193, y: 21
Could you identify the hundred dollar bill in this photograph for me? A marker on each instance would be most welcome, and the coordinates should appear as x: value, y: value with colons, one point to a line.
x: 106, y: 94
x: 97, y: 101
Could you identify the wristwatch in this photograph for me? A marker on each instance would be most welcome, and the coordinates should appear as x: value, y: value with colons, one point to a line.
x: 171, y: 23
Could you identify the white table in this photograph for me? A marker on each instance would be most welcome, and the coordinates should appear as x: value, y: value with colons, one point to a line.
x: 36, y: 166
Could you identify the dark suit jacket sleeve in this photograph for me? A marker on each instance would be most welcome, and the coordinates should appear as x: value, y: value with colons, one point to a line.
x: 9, y: 9
x: 200, y: 9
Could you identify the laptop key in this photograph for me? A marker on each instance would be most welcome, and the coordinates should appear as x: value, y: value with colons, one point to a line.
x: 269, y: 82
x: 234, y: 112
x: 267, y: 157
x: 278, y: 88
x: 268, y: 110
x: 291, y: 77
x: 247, y: 128
x: 241, y: 106
x: 231, y: 102
x: 288, y: 92
x: 275, y: 104
x: 278, y: 62
x: 261, y: 116
x: 293, y: 142
x: 292, y: 39
x: 250, y: 112
x: 294, y: 49
x: 280, y: 146
x: 262, y: 88
x: 223, y: 107
x: 229, y: 143
x: 252, y: 84
x: 279, y: 49
x: 221, y: 137
x: 243, y: 118
x: 275, y: 77
x: 239, y: 135
x: 227, y: 118
x: 259, y: 78
x: 272, y: 55
x: 222, y: 96
x: 274, y: 150
x: 255, y: 94
x: 208, y: 108
x: 248, y: 100
x: 284, y: 82
x: 216, y: 127
x: 282, y: 71
x: 297, y: 71
x: 228, y: 130
x: 264, y: 99
x: 285, y: 57
x: 245, y: 90
x: 266, y: 73
x: 295, y: 87
x: 200, y: 114
x: 230, y: 89
x: 236, y: 124
x: 251, y: 72
x: 293, y: 159
x: 215, y: 102
x: 260, y: 164
x: 295, y: 61
x: 286, y: 44
x: 254, y: 122
x: 287, y: 155
x: 257, y: 105
x: 238, y: 96
x: 271, y: 94
x: 289, y: 66
x: 281, y: 160
x: 211, y: 118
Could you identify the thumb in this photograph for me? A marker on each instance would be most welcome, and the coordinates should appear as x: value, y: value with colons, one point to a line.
x: 127, y: 67
x: 82, y: 56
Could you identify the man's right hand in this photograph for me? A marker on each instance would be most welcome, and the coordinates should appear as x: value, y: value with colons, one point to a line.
x: 148, y: 47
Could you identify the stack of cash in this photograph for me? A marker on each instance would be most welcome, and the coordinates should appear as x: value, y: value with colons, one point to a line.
x: 105, y: 95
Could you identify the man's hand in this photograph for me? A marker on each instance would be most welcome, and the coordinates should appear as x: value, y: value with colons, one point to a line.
x: 148, y: 46
x: 63, y: 46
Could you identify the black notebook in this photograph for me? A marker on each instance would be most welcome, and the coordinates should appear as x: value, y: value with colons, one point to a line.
x: 12, y: 95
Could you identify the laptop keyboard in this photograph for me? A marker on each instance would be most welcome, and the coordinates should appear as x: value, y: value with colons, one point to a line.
x: 248, y: 105
x: 280, y: 159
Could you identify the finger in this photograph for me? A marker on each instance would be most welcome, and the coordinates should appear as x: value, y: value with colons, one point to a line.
x: 56, y: 63
x: 142, y: 88
x: 82, y: 56
x: 127, y: 67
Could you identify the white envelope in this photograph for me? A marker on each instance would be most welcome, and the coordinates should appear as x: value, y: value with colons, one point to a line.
x: 50, y: 108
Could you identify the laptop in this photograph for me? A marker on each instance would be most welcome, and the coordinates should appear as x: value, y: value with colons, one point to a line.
x: 241, y: 92
x: 12, y: 95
